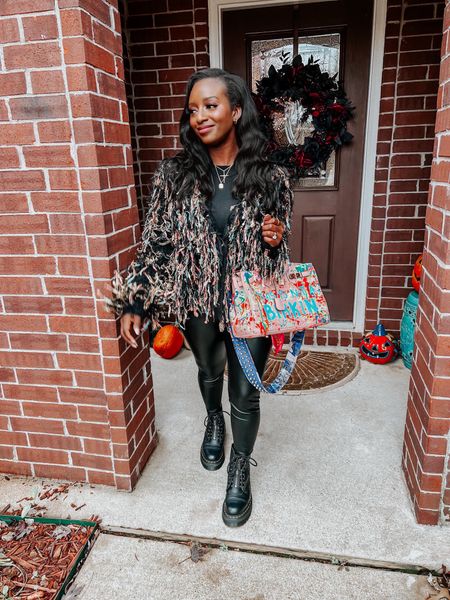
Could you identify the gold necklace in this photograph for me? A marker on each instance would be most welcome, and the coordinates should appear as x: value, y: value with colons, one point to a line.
x: 222, y: 176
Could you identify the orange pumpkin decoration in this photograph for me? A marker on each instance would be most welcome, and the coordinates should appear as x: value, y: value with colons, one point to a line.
x: 168, y: 341
x: 416, y: 274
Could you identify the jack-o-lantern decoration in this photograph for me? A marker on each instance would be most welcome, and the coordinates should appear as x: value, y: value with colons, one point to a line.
x: 378, y: 346
x: 168, y: 341
x: 417, y: 273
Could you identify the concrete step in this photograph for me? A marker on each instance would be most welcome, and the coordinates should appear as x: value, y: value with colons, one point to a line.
x: 142, y: 569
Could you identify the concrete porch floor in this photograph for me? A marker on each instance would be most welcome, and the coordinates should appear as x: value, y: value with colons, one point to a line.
x: 328, y: 479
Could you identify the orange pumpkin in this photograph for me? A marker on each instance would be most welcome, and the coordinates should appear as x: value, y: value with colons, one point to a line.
x: 416, y: 274
x: 168, y: 341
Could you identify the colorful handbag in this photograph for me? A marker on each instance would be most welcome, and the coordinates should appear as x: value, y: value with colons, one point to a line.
x: 258, y: 307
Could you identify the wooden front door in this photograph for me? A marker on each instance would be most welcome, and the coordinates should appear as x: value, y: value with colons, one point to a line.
x: 326, y: 208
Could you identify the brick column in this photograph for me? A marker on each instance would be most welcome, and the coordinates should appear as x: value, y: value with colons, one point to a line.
x: 74, y: 402
x: 426, y: 444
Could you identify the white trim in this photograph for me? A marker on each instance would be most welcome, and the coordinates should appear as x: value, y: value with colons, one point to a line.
x: 339, y: 326
x: 369, y: 161
x: 215, y: 10
x: 217, y: 7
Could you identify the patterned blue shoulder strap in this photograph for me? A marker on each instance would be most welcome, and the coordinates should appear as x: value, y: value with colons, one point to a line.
x: 248, y: 366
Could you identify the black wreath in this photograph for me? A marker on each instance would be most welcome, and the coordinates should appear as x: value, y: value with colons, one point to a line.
x: 321, y: 96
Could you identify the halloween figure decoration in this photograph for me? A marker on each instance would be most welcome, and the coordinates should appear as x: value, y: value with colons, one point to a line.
x: 168, y: 341
x: 378, y: 346
x: 407, y: 328
x: 417, y: 273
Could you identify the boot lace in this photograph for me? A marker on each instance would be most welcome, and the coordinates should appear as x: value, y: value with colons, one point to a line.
x: 215, y: 426
x: 239, y: 471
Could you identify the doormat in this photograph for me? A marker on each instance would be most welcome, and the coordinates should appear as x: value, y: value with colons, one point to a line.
x: 39, y: 557
x: 314, y: 371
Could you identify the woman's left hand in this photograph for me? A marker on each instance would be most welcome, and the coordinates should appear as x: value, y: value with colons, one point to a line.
x: 272, y: 231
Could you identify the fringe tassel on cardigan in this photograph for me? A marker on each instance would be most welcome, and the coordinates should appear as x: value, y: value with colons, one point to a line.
x: 178, y: 263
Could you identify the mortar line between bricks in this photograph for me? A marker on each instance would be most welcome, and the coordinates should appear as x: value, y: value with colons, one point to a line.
x: 262, y: 549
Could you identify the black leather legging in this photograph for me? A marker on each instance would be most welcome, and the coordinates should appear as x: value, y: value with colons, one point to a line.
x: 211, y: 349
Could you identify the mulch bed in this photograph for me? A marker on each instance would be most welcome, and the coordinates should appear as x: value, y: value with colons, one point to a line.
x: 37, y: 556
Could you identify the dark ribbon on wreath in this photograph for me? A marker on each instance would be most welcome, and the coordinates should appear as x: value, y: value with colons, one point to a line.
x: 321, y: 96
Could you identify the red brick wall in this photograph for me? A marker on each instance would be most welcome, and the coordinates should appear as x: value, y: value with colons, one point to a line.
x: 73, y: 402
x: 426, y: 452
x: 167, y: 41
x: 129, y: 95
x: 404, y: 151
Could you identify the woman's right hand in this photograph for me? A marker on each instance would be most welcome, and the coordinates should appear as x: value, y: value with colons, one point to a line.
x: 128, y: 321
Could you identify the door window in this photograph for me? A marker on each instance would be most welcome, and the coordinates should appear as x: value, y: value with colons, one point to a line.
x: 288, y: 127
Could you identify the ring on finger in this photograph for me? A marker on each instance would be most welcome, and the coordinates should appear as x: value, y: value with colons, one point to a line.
x: 274, y: 237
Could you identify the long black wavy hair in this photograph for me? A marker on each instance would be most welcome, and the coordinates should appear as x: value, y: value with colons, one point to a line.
x: 193, y: 163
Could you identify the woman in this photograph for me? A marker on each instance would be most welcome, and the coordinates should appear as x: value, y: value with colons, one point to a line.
x: 216, y: 207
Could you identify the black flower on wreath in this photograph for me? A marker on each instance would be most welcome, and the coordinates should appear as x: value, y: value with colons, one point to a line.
x: 321, y: 98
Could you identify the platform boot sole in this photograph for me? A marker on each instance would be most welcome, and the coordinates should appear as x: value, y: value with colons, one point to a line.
x: 212, y: 465
x: 237, y: 520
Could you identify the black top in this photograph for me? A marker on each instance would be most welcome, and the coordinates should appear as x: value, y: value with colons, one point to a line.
x: 222, y: 200
x: 220, y: 205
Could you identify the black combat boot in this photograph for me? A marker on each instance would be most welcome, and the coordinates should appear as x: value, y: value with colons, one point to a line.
x: 237, y: 506
x: 212, y: 454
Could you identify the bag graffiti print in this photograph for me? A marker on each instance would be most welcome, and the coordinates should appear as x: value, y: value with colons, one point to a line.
x: 292, y: 303
x: 258, y: 308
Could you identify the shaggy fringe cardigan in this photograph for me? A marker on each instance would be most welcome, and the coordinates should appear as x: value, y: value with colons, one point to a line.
x: 180, y: 258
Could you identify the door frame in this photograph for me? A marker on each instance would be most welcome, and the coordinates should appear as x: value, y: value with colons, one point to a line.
x: 215, y: 11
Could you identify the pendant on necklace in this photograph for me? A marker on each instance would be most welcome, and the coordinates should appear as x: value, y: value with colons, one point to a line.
x: 220, y: 186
